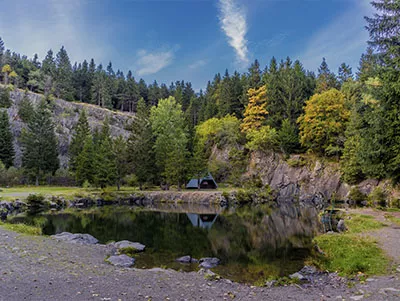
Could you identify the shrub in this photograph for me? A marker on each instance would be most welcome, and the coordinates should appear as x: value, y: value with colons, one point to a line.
x: 378, y: 197
x: 357, y: 196
x: 36, y: 201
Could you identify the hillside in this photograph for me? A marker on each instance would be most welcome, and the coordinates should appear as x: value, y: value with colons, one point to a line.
x: 65, y: 116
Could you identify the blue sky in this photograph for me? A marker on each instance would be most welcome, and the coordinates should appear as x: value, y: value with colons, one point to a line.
x: 168, y: 40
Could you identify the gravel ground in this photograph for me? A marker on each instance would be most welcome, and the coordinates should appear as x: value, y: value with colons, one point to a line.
x: 42, y: 268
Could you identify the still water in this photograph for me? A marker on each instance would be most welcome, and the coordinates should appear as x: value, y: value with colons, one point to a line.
x: 253, y: 242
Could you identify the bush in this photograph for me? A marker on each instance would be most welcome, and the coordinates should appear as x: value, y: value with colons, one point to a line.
x: 357, y: 196
x: 36, y: 201
x: 297, y: 162
x: 131, y: 180
x: 378, y: 197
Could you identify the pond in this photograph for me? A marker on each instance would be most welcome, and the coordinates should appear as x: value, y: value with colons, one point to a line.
x: 253, y: 242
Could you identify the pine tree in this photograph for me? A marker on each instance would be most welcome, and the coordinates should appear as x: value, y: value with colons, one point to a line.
x: 101, y: 94
x: 84, y: 162
x: 326, y: 80
x: 384, y: 31
x: 40, y: 155
x: 105, y: 165
x: 6, y: 141
x: 63, y: 78
x: 5, y: 101
x: 25, y: 108
x: 81, y: 132
x: 254, y: 75
x: 120, y: 152
x: 140, y: 145
x: 345, y: 73
x: 2, y: 48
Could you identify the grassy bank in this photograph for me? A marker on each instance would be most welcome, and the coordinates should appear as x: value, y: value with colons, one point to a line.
x: 352, y: 252
x: 22, y: 228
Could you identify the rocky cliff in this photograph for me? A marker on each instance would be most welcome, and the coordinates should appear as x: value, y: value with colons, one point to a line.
x: 65, y: 116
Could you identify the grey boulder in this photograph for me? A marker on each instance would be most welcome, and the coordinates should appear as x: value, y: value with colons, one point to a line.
x: 186, y: 259
x: 128, y: 244
x: 123, y: 261
x: 78, y: 238
x: 209, y: 262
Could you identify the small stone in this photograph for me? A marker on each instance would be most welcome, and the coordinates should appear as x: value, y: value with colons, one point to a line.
x: 297, y: 275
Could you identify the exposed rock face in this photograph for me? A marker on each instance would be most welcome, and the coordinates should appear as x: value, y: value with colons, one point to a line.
x: 65, y: 116
x: 302, y: 182
x: 78, y: 238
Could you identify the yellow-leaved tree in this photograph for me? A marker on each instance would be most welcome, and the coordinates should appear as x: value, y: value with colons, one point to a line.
x: 256, y: 110
x: 323, y: 123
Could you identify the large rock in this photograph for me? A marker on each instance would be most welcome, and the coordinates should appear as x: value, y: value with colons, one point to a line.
x: 186, y: 259
x: 209, y: 262
x: 123, y: 261
x: 128, y: 244
x: 78, y: 238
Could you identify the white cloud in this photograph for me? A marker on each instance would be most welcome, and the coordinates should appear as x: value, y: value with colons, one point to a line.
x: 343, y: 40
x: 234, y: 24
x: 198, y: 64
x: 152, y: 62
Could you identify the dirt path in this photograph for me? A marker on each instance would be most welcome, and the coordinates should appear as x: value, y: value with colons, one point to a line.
x: 388, y: 237
x: 41, y: 268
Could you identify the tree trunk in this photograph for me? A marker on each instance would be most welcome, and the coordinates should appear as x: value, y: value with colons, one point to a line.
x: 37, y: 180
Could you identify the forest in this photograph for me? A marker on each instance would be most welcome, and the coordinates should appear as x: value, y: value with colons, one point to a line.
x: 345, y: 116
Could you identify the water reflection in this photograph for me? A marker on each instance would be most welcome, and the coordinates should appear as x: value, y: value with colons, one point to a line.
x: 253, y: 242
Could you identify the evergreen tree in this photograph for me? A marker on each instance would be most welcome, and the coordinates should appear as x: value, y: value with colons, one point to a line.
x: 168, y: 126
x: 254, y: 75
x: 2, y: 48
x: 326, y: 80
x: 6, y: 141
x: 40, y: 155
x: 140, y: 145
x: 63, y: 78
x: 120, y: 152
x: 84, y: 162
x: 345, y: 73
x: 81, y: 132
x: 101, y: 94
x: 5, y: 100
x: 105, y: 165
x: 25, y: 108
x: 368, y: 66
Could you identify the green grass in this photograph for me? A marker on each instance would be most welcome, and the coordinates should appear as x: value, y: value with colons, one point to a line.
x: 352, y: 252
x: 359, y: 223
x: 22, y: 228
x: 392, y: 219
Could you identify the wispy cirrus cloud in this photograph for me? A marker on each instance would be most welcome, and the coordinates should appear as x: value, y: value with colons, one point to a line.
x: 233, y: 21
x: 198, y: 64
x: 152, y: 62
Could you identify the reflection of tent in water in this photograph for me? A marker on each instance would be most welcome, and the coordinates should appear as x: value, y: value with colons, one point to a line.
x: 207, y: 182
x: 202, y: 220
